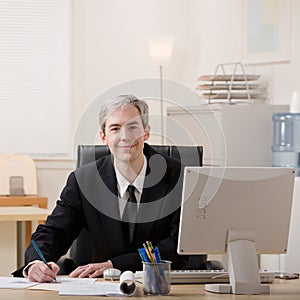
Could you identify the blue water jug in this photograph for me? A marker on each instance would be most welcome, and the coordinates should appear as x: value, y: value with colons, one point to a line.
x: 286, y: 141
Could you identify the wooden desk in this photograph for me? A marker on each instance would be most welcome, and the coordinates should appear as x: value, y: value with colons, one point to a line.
x: 21, y: 213
x: 280, y: 290
x: 39, y: 201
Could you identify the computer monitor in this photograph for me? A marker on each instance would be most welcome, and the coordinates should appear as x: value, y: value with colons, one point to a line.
x: 240, y: 211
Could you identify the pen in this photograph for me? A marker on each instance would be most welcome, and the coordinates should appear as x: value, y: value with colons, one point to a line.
x: 39, y: 252
x: 144, y: 255
x: 157, y: 255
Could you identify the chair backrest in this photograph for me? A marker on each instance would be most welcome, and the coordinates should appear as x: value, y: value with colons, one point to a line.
x: 188, y: 155
x: 81, y: 250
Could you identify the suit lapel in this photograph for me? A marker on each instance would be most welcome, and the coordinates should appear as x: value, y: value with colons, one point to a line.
x: 106, y: 200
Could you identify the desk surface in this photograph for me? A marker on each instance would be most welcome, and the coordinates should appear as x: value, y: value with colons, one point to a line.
x: 280, y: 290
x: 22, y: 213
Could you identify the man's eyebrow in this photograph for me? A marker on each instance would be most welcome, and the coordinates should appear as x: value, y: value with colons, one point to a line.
x: 113, y: 125
x: 126, y: 124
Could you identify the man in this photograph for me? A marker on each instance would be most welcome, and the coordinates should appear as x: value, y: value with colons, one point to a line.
x: 96, y: 197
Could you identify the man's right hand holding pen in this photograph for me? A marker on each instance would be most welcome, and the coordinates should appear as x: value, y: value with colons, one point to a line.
x: 41, y: 270
x: 38, y: 271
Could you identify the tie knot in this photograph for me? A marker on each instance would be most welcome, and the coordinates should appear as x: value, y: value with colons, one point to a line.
x: 131, y: 190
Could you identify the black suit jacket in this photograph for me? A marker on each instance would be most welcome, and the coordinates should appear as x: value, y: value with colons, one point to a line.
x: 90, y: 200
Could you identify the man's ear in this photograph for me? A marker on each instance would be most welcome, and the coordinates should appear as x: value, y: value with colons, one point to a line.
x: 147, y: 133
x: 103, y: 137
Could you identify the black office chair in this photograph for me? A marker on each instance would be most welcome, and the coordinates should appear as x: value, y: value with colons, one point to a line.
x: 81, y: 250
x: 188, y: 155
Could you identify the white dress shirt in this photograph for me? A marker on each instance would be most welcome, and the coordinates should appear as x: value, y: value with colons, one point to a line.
x: 122, y: 185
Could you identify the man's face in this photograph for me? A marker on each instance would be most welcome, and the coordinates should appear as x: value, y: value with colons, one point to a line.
x: 125, y: 134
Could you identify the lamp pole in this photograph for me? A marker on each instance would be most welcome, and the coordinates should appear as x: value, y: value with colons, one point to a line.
x: 161, y: 104
x: 160, y: 49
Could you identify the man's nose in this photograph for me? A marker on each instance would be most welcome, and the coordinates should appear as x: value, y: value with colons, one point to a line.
x: 124, y: 133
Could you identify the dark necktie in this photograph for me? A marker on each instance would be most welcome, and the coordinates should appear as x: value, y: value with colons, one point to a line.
x: 130, y: 212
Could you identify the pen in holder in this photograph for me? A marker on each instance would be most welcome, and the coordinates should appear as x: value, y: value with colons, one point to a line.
x: 156, y: 279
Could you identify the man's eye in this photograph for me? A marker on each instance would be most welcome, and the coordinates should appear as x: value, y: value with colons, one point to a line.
x: 134, y: 127
x: 114, y: 129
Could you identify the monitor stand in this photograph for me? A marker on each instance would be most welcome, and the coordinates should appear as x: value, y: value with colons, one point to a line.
x: 242, y: 266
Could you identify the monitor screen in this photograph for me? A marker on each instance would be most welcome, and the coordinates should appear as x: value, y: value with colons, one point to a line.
x: 247, y: 206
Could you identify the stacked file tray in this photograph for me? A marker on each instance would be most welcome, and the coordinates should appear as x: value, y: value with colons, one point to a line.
x: 230, y: 87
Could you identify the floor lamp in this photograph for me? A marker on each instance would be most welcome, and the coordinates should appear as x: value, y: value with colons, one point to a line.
x: 160, y: 49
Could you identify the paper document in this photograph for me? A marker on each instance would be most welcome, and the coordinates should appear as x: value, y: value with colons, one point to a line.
x: 126, y: 287
x: 55, y: 285
x: 15, y: 283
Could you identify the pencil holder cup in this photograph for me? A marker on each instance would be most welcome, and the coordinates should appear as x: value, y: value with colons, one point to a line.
x: 156, y: 279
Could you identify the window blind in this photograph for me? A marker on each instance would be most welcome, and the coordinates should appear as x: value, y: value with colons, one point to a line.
x: 35, y: 76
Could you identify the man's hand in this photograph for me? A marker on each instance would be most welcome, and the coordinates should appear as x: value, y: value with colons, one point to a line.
x: 40, y: 272
x: 91, y: 270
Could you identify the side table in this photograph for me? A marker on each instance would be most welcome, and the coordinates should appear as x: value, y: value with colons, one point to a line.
x: 32, y: 200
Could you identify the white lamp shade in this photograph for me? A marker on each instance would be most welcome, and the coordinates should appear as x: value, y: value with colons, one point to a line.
x: 160, y: 49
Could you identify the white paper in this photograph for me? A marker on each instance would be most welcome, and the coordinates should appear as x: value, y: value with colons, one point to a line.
x: 55, y: 285
x: 60, y: 279
x: 24, y: 283
x: 126, y: 287
x: 15, y: 283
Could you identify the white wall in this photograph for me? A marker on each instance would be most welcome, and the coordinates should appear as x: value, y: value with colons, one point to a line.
x: 110, y: 40
x: 216, y: 33
x: 51, y: 176
x: 284, y: 78
x: 110, y: 44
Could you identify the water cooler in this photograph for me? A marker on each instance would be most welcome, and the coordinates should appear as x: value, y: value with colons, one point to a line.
x: 286, y: 141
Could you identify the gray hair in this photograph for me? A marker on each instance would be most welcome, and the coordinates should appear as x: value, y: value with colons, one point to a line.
x: 121, y: 102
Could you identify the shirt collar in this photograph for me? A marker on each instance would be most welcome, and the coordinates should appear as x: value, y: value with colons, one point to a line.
x: 138, y: 182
